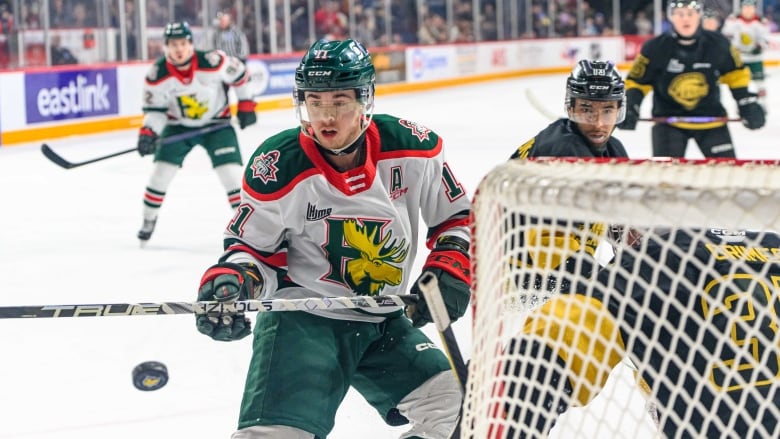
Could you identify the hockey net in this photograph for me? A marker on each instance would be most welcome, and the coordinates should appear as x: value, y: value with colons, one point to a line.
x: 625, y: 299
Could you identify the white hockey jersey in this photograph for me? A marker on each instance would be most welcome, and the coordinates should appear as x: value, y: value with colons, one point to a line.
x: 194, y: 98
x: 317, y: 232
x: 750, y: 37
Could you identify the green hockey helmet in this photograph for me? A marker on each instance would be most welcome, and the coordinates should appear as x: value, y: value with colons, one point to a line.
x: 336, y: 65
x: 177, y: 30
x: 333, y: 66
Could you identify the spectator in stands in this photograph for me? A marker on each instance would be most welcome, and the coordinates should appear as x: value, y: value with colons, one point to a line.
x: 628, y: 24
x: 229, y: 38
x: 58, y: 13
x: 82, y: 17
x: 541, y: 21
x: 365, y: 30
x: 643, y: 24
x: 61, y: 55
x: 329, y: 21
x: 488, y: 25
x: 131, y: 27
x: 433, y: 30
x: 31, y: 15
x: 7, y: 32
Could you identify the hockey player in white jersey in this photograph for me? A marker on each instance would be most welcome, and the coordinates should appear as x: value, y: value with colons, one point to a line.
x: 184, y: 92
x: 749, y: 33
x: 332, y: 208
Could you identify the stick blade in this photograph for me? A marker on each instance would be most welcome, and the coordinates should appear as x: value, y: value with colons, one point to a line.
x: 54, y: 157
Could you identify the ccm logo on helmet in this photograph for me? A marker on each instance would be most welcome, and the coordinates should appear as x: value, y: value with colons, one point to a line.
x: 320, y: 73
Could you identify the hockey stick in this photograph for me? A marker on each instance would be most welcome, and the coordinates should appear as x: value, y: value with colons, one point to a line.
x: 170, y: 308
x: 690, y: 119
x: 429, y: 286
x: 64, y: 163
x: 539, y: 107
x: 670, y: 119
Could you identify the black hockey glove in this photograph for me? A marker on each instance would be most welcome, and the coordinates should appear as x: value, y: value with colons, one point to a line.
x: 633, y: 102
x: 246, y: 114
x: 449, y: 262
x: 751, y: 112
x: 148, y: 141
x: 227, y: 282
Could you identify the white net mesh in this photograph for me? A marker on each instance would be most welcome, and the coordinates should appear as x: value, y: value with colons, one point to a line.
x: 626, y: 299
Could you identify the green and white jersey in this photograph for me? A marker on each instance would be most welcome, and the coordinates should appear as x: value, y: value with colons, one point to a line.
x: 750, y: 37
x: 317, y: 232
x: 196, y: 97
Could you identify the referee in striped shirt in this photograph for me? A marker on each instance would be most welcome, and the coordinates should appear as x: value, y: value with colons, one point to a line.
x: 229, y: 39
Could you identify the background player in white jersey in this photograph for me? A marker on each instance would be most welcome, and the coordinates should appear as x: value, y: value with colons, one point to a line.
x: 749, y: 33
x: 332, y: 208
x: 185, y: 91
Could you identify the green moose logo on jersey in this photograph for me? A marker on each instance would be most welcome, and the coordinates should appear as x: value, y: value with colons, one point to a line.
x: 371, y: 261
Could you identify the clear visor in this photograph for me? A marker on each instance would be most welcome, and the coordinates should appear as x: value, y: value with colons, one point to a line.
x: 596, y: 112
x: 312, y: 110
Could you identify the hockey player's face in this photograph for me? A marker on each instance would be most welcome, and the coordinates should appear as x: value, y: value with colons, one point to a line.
x: 179, y: 51
x: 685, y: 21
x: 748, y: 11
x: 334, y: 117
x: 595, y: 119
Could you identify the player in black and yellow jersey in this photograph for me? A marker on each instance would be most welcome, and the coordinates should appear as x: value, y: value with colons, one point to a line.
x: 683, y: 68
x: 595, y: 104
x: 697, y: 313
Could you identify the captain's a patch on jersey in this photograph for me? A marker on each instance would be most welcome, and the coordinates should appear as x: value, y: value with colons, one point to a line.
x: 417, y: 130
x: 264, y: 166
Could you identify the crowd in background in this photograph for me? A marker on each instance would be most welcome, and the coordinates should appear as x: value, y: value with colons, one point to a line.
x: 374, y: 22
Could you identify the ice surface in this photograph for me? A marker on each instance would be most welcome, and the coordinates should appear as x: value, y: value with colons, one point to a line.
x: 68, y: 236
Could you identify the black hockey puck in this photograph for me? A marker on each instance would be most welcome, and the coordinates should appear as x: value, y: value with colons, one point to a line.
x: 150, y: 375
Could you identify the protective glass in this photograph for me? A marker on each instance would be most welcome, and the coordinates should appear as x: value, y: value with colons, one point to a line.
x: 318, y: 110
x: 597, y: 112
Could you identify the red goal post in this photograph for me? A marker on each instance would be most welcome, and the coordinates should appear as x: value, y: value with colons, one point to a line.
x: 585, y: 267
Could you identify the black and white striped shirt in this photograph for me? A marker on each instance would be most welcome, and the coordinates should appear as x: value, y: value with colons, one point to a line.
x: 233, y: 42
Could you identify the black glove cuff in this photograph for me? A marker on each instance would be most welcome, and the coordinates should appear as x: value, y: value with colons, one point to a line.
x: 741, y: 93
x: 634, y: 98
x: 450, y: 242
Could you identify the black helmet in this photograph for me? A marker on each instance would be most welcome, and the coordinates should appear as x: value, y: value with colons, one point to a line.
x: 595, y: 81
x: 336, y: 65
x: 696, y: 5
x: 177, y: 30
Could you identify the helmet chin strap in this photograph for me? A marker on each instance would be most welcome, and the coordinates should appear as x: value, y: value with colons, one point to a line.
x: 349, y: 149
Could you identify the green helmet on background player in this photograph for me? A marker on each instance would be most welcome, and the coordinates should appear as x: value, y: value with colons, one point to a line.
x: 177, y: 30
x: 332, y: 66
